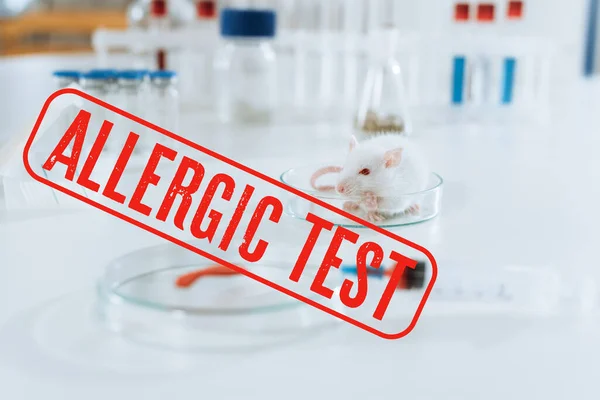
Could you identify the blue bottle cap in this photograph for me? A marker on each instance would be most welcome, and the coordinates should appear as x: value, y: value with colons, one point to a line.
x: 98, y: 74
x: 163, y: 74
x: 133, y: 74
x: 248, y: 23
x: 107, y: 73
x: 67, y: 74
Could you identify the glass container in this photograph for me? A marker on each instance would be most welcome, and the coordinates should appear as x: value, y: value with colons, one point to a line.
x: 428, y: 200
x: 164, y: 95
x: 133, y: 98
x: 383, y: 105
x: 245, y: 66
x: 139, y: 298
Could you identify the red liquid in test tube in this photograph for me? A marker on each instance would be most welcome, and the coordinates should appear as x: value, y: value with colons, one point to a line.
x: 159, y: 12
x: 159, y: 8
x: 206, y: 9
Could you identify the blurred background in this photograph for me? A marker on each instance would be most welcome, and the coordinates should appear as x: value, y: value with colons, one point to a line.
x: 501, y: 56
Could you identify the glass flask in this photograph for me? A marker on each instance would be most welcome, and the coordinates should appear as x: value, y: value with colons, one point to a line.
x: 383, y: 105
x: 245, y: 66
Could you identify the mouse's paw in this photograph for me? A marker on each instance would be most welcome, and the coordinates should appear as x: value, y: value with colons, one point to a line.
x: 370, y: 202
x: 351, y: 206
x: 412, y: 210
x: 373, y: 216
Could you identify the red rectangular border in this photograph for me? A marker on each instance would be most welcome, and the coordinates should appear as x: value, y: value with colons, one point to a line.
x: 251, y: 172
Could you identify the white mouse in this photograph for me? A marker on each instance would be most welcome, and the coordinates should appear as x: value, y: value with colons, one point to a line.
x: 378, y: 172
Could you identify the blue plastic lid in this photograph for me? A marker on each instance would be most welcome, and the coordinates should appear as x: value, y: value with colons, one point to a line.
x: 97, y: 74
x: 163, y: 74
x: 248, y: 23
x: 67, y: 74
x: 134, y: 74
x: 106, y: 73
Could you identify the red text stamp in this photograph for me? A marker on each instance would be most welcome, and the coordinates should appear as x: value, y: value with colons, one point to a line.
x: 224, y: 211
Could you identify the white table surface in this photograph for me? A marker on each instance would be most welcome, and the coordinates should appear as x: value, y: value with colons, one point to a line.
x: 524, y: 196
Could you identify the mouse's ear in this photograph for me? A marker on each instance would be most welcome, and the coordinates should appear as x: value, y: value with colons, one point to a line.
x: 353, y: 143
x: 392, y: 158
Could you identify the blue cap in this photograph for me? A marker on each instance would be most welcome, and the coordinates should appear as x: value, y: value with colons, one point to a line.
x: 100, y: 74
x: 67, y: 74
x: 105, y: 73
x: 248, y: 23
x: 163, y: 74
x: 134, y: 74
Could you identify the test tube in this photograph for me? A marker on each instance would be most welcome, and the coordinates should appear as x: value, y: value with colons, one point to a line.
x: 159, y: 21
x: 200, y: 62
x: 300, y: 57
x: 326, y: 54
x: 351, y: 27
x: 206, y: 9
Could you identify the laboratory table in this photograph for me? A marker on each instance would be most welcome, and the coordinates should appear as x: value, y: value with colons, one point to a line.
x: 514, y: 195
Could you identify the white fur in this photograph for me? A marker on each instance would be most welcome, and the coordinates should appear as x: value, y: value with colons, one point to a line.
x: 388, y: 184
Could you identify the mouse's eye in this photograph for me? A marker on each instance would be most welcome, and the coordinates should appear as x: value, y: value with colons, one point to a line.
x: 364, y: 171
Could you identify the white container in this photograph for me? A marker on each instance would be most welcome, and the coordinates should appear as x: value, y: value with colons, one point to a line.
x: 245, y: 67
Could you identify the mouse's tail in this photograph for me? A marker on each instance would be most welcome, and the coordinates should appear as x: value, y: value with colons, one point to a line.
x: 319, y: 173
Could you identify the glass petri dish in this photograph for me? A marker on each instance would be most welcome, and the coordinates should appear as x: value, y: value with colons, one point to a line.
x: 428, y: 200
x: 138, y: 298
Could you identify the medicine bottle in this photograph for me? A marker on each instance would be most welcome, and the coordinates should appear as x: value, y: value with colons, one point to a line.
x: 165, y: 100
x: 245, y: 66
x: 133, y: 98
x: 131, y: 91
x: 97, y: 83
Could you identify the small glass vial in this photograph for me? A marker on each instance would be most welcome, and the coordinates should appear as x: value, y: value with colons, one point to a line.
x: 133, y: 99
x: 131, y: 89
x: 65, y: 78
x: 111, y: 85
x: 165, y: 100
x: 245, y: 67
x: 95, y: 83
x: 384, y: 105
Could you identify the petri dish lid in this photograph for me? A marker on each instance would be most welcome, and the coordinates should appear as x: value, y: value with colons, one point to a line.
x: 138, y: 297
